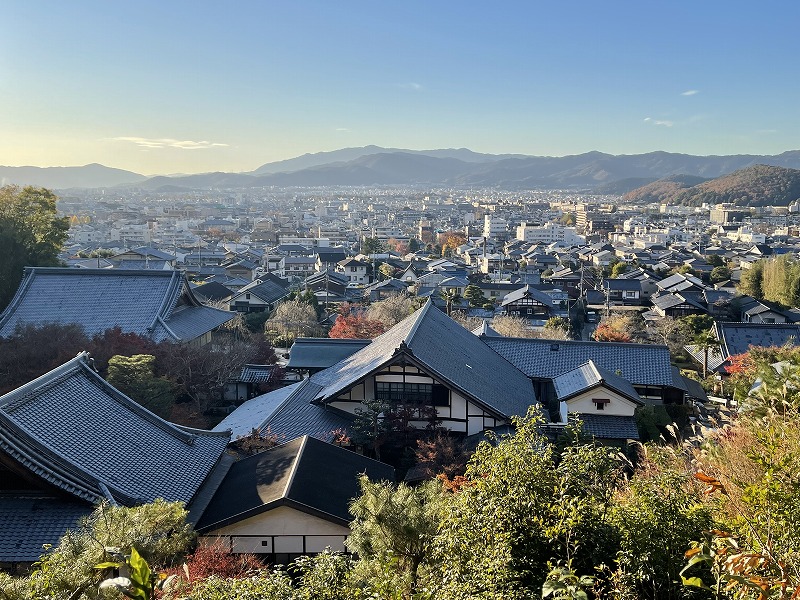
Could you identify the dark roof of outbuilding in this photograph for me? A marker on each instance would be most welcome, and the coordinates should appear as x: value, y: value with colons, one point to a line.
x: 737, y: 338
x: 610, y: 427
x: 641, y: 364
x: 321, y: 353
x: 154, y: 304
x: 28, y: 521
x: 448, y: 352
x: 305, y: 473
x: 77, y: 432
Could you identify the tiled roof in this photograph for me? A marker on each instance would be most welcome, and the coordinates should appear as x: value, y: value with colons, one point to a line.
x: 737, y: 338
x: 589, y: 375
x: 297, y: 416
x: 610, y: 427
x: 305, y: 473
x: 445, y: 349
x: 27, y: 522
x: 321, y: 353
x: 641, y: 364
x: 266, y: 290
x: 155, y: 304
x: 256, y: 373
x: 254, y: 413
x: 79, y: 433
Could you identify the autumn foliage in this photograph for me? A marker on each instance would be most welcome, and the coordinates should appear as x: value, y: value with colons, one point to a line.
x: 606, y: 333
x: 353, y: 323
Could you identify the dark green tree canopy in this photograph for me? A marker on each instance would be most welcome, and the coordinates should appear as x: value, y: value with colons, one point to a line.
x: 31, y: 234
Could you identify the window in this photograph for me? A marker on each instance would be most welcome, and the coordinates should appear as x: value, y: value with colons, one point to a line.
x: 600, y: 403
x: 423, y: 393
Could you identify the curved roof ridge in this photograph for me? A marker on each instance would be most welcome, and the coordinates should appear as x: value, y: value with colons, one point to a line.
x: 27, y: 277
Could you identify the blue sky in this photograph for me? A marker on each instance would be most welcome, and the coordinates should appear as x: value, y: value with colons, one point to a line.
x: 172, y: 86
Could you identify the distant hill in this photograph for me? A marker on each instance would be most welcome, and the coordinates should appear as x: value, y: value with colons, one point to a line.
x: 88, y: 176
x: 757, y: 185
x: 318, y: 159
x: 662, y: 190
x: 623, y: 186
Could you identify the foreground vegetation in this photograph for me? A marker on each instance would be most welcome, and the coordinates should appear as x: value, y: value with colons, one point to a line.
x: 528, y: 519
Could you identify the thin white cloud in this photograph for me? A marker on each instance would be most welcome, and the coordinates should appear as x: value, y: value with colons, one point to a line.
x: 345, y: 129
x: 657, y: 122
x: 410, y: 86
x: 170, y: 143
x: 690, y: 92
x: 767, y: 131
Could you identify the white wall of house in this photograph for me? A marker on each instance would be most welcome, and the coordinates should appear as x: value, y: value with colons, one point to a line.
x: 585, y: 403
x: 280, y: 530
x: 461, y: 415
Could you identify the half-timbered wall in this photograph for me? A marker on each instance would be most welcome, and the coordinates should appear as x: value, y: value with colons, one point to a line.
x: 456, y: 412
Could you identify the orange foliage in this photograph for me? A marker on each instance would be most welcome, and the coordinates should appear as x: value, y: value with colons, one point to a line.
x: 605, y: 333
x: 352, y: 323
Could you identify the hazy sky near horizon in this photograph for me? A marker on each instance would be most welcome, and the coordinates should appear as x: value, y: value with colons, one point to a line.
x: 193, y: 86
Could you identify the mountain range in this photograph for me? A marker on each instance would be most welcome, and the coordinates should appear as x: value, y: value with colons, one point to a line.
x: 373, y: 165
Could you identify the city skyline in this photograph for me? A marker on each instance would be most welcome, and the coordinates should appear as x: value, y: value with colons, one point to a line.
x: 195, y: 87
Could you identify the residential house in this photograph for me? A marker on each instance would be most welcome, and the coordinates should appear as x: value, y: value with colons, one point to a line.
x: 261, y: 295
x: 357, y: 272
x: 531, y: 303
x: 626, y: 292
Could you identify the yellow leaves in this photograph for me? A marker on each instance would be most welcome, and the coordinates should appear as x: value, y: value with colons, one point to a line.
x: 712, y: 483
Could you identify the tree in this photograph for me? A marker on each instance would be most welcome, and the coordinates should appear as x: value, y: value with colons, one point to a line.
x: 718, y: 274
x: 393, y: 528
x: 398, y: 247
x: 698, y: 323
x: 560, y: 324
x: 31, y: 234
x: 618, y: 269
x: 475, y: 295
x: 353, y: 323
x: 521, y: 507
x: 715, y: 260
x: 752, y: 280
x: 293, y: 319
x: 707, y: 342
x: 135, y: 377
x: 605, y: 332
x: 387, y: 271
x: 673, y: 333
x: 450, y: 297
x: 371, y: 245
x: 158, y: 531
x: 391, y: 310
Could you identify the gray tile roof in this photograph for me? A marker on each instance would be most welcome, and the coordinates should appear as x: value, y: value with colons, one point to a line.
x: 79, y: 433
x: 297, y: 416
x: 267, y: 290
x: 610, y: 427
x: 305, y: 473
x: 320, y: 353
x: 737, y: 338
x: 589, y: 375
x: 255, y: 413
x: 449, y: 352
x: 155, y: 304
x: 27, y: 522
x: 641, y: 364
